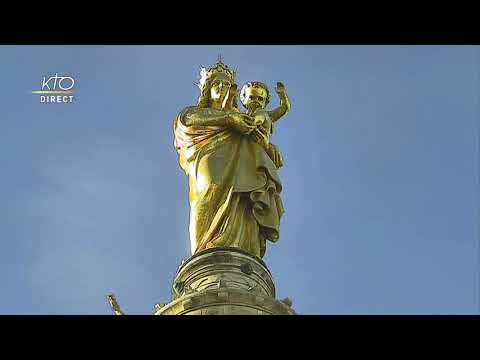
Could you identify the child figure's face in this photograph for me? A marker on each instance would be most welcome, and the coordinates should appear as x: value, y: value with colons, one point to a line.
x: 255, y: 98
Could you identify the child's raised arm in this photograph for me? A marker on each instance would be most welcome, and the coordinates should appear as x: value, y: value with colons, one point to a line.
x: 284, y: 107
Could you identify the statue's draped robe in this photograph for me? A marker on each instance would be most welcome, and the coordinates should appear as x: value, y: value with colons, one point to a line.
x: 234, y: 187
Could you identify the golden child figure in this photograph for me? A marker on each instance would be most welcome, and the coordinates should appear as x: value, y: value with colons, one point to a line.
x: 255, y: 97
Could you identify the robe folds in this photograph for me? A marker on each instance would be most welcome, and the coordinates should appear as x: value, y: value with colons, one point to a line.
x: 234, y: 189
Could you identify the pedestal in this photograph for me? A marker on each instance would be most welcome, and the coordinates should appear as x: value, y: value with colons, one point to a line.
x: 224, y: 281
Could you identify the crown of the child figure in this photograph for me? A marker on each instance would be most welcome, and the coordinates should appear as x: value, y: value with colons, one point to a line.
x: 218, y: 68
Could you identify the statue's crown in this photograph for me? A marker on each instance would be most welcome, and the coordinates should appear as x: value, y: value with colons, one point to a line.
x: 218, y: 68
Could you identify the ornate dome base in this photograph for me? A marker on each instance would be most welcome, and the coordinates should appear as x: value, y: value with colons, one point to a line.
x: 224, y: 281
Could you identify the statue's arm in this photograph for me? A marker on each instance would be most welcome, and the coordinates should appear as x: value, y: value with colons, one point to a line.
x: 285, y: 104
x: 236, y: 120
x: 202, y: 117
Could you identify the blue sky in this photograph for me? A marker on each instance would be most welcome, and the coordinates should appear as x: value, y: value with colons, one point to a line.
x: 381, y: 176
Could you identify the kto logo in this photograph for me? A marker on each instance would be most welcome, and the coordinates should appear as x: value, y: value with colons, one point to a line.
x: 56, y: 89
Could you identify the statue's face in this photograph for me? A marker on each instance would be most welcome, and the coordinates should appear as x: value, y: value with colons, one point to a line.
x: 220, y: 87
x: 255, y: 97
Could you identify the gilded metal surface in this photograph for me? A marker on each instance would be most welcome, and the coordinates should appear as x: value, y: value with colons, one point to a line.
x: 231, y: 163
x: 114, y: 305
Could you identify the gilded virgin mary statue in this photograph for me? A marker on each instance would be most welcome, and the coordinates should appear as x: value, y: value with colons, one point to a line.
x: 235, y: 203
x: 234, y: 188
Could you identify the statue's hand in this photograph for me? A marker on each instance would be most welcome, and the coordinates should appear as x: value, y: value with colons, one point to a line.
x: 260, y: 138
x: 275, y: 155
x: 280, y: 89
x: 243, y: 123
x: 232, y: 98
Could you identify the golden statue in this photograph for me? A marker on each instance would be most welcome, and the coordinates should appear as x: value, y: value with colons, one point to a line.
x: 231, y: 163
